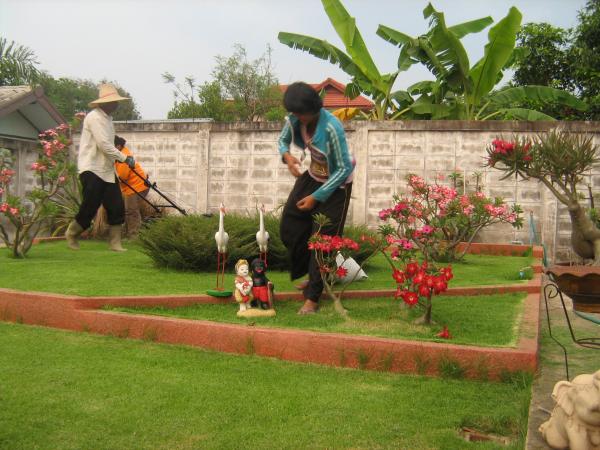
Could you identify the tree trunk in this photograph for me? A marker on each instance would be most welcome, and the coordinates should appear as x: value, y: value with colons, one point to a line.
x: 425, y: 319
x: 585, y: 236
x: 337, y: 301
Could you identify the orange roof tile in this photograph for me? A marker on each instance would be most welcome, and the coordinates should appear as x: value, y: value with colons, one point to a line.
x: 334, y: 96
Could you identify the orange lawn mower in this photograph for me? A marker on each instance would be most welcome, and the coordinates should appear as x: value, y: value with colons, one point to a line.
x: 171, y: 203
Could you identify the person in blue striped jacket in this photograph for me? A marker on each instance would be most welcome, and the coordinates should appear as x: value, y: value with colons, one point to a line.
x: 324, y: 188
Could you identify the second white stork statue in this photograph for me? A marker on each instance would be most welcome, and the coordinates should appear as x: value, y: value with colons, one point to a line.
x: 262, y: 236
x: 222, y: 239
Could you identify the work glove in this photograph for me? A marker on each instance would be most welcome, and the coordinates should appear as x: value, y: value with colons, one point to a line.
x: 130, y: 162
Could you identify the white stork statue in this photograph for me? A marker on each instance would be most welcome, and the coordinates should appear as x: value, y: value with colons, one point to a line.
x: 222, y: 239
x: 262, y: 236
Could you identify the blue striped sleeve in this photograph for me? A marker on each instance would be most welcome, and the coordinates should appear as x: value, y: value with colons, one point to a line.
x: 338, y: 160
x: 285, y: 138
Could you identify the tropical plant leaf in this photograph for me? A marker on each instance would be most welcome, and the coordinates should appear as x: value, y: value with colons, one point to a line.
x: 345, y: 26
x: 524, y: 114
x: 501, y: 42
x: 473, y: 26
x: 402, y: 97
x: 421, y: 87
x: 518, y: 54
x: 321, y: 49
x: 449, y: 51
x: 399, y: 39
x: 436, y: 111
x: 543, y: 94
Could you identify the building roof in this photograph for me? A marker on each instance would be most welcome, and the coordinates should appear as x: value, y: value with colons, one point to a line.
x: 334, y: 95
x: 25, y: 112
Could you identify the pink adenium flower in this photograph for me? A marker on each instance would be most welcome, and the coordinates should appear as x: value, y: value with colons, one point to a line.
x: 427, y: 229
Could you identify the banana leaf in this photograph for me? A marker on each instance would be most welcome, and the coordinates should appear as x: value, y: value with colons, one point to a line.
x: 543, y: 94
x: 421, y: 87
x: 524, y: 114
x: 473, y: 26
x: 401, y: 40
x: 498, y: 50
x: 450, y: 57
x: 345, y: 26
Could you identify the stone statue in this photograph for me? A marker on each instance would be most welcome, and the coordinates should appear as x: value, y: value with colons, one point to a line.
x: 575, y: 420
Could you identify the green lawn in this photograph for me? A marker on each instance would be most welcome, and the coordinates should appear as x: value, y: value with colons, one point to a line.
x: 487, y: 320
x: 93, y: 270
x: 65, y: 390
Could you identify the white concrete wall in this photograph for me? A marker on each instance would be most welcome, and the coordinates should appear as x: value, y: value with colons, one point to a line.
x: 202, y: 164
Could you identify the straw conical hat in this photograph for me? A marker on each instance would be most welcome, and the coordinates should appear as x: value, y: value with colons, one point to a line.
x: 107, y: 93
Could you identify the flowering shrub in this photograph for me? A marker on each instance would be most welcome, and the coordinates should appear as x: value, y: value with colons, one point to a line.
x: 327, y: 248
x: 436, y: 218
x: 416, y: 282
x: 29, y: 215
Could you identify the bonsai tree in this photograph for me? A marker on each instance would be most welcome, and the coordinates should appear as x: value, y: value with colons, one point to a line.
x: 561, y: 161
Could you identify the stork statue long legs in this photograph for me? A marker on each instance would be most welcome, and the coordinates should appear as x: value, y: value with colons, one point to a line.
x: 222, y: 239
x: 262, y: 236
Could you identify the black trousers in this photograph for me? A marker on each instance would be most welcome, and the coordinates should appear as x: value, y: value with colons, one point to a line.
x: 98, y: 192
x: 298, y: 226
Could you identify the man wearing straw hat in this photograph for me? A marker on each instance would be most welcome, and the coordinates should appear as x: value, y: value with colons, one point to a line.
x: 95, y: 163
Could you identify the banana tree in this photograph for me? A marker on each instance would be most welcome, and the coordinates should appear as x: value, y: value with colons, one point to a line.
x: 356, y: 62
x: 461, y: 91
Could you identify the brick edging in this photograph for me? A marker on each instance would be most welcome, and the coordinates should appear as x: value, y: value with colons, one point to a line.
x: 373, y: 353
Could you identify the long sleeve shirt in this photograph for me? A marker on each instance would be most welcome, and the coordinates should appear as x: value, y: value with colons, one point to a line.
x: 97, y: 151
x: 135, y: 182
x: 330, y: 140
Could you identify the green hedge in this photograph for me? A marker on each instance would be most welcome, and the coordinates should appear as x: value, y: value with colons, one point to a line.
x: 188, y: 242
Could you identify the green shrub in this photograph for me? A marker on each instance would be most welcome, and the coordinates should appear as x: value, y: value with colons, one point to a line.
x: 188, y: 242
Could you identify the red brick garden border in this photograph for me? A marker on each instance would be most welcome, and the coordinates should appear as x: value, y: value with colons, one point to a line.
x: 342, y: 350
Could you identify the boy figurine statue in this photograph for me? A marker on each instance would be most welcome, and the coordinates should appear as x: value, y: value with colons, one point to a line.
x: 243, y: 285
x: 261, y: 286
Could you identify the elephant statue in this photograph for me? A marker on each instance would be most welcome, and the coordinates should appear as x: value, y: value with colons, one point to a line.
x: 575, y: 420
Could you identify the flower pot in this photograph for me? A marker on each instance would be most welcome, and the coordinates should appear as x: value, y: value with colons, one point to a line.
x: 580, y: 283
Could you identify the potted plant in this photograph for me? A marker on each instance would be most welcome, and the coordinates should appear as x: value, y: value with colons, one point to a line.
x: 561, y: 161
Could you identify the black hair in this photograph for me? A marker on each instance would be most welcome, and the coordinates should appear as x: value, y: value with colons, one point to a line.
x: 119, y: 141
x: 301, y: 98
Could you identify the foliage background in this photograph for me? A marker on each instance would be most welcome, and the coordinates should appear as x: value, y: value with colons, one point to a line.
x: 188, y: 242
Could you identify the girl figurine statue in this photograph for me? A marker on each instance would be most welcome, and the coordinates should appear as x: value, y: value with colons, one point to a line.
x: 243, y: 285
x: 243, y: 293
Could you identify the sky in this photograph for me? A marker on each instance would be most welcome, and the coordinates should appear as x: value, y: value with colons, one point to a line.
x: 133, y: 42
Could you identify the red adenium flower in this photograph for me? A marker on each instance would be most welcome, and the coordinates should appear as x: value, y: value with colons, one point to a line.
x: 341, y: 272
x: 419, y: 277
x: 444, y: 334
x: 399, y: 276
x: 424, y: 291
x: 412, y: 268
x: 410, y: 298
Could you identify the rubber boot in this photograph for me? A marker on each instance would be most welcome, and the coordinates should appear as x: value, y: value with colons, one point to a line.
x: 114, y: 239
x: 72, y: 233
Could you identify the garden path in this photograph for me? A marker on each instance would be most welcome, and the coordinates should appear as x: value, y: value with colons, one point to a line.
x: 552, y: 367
